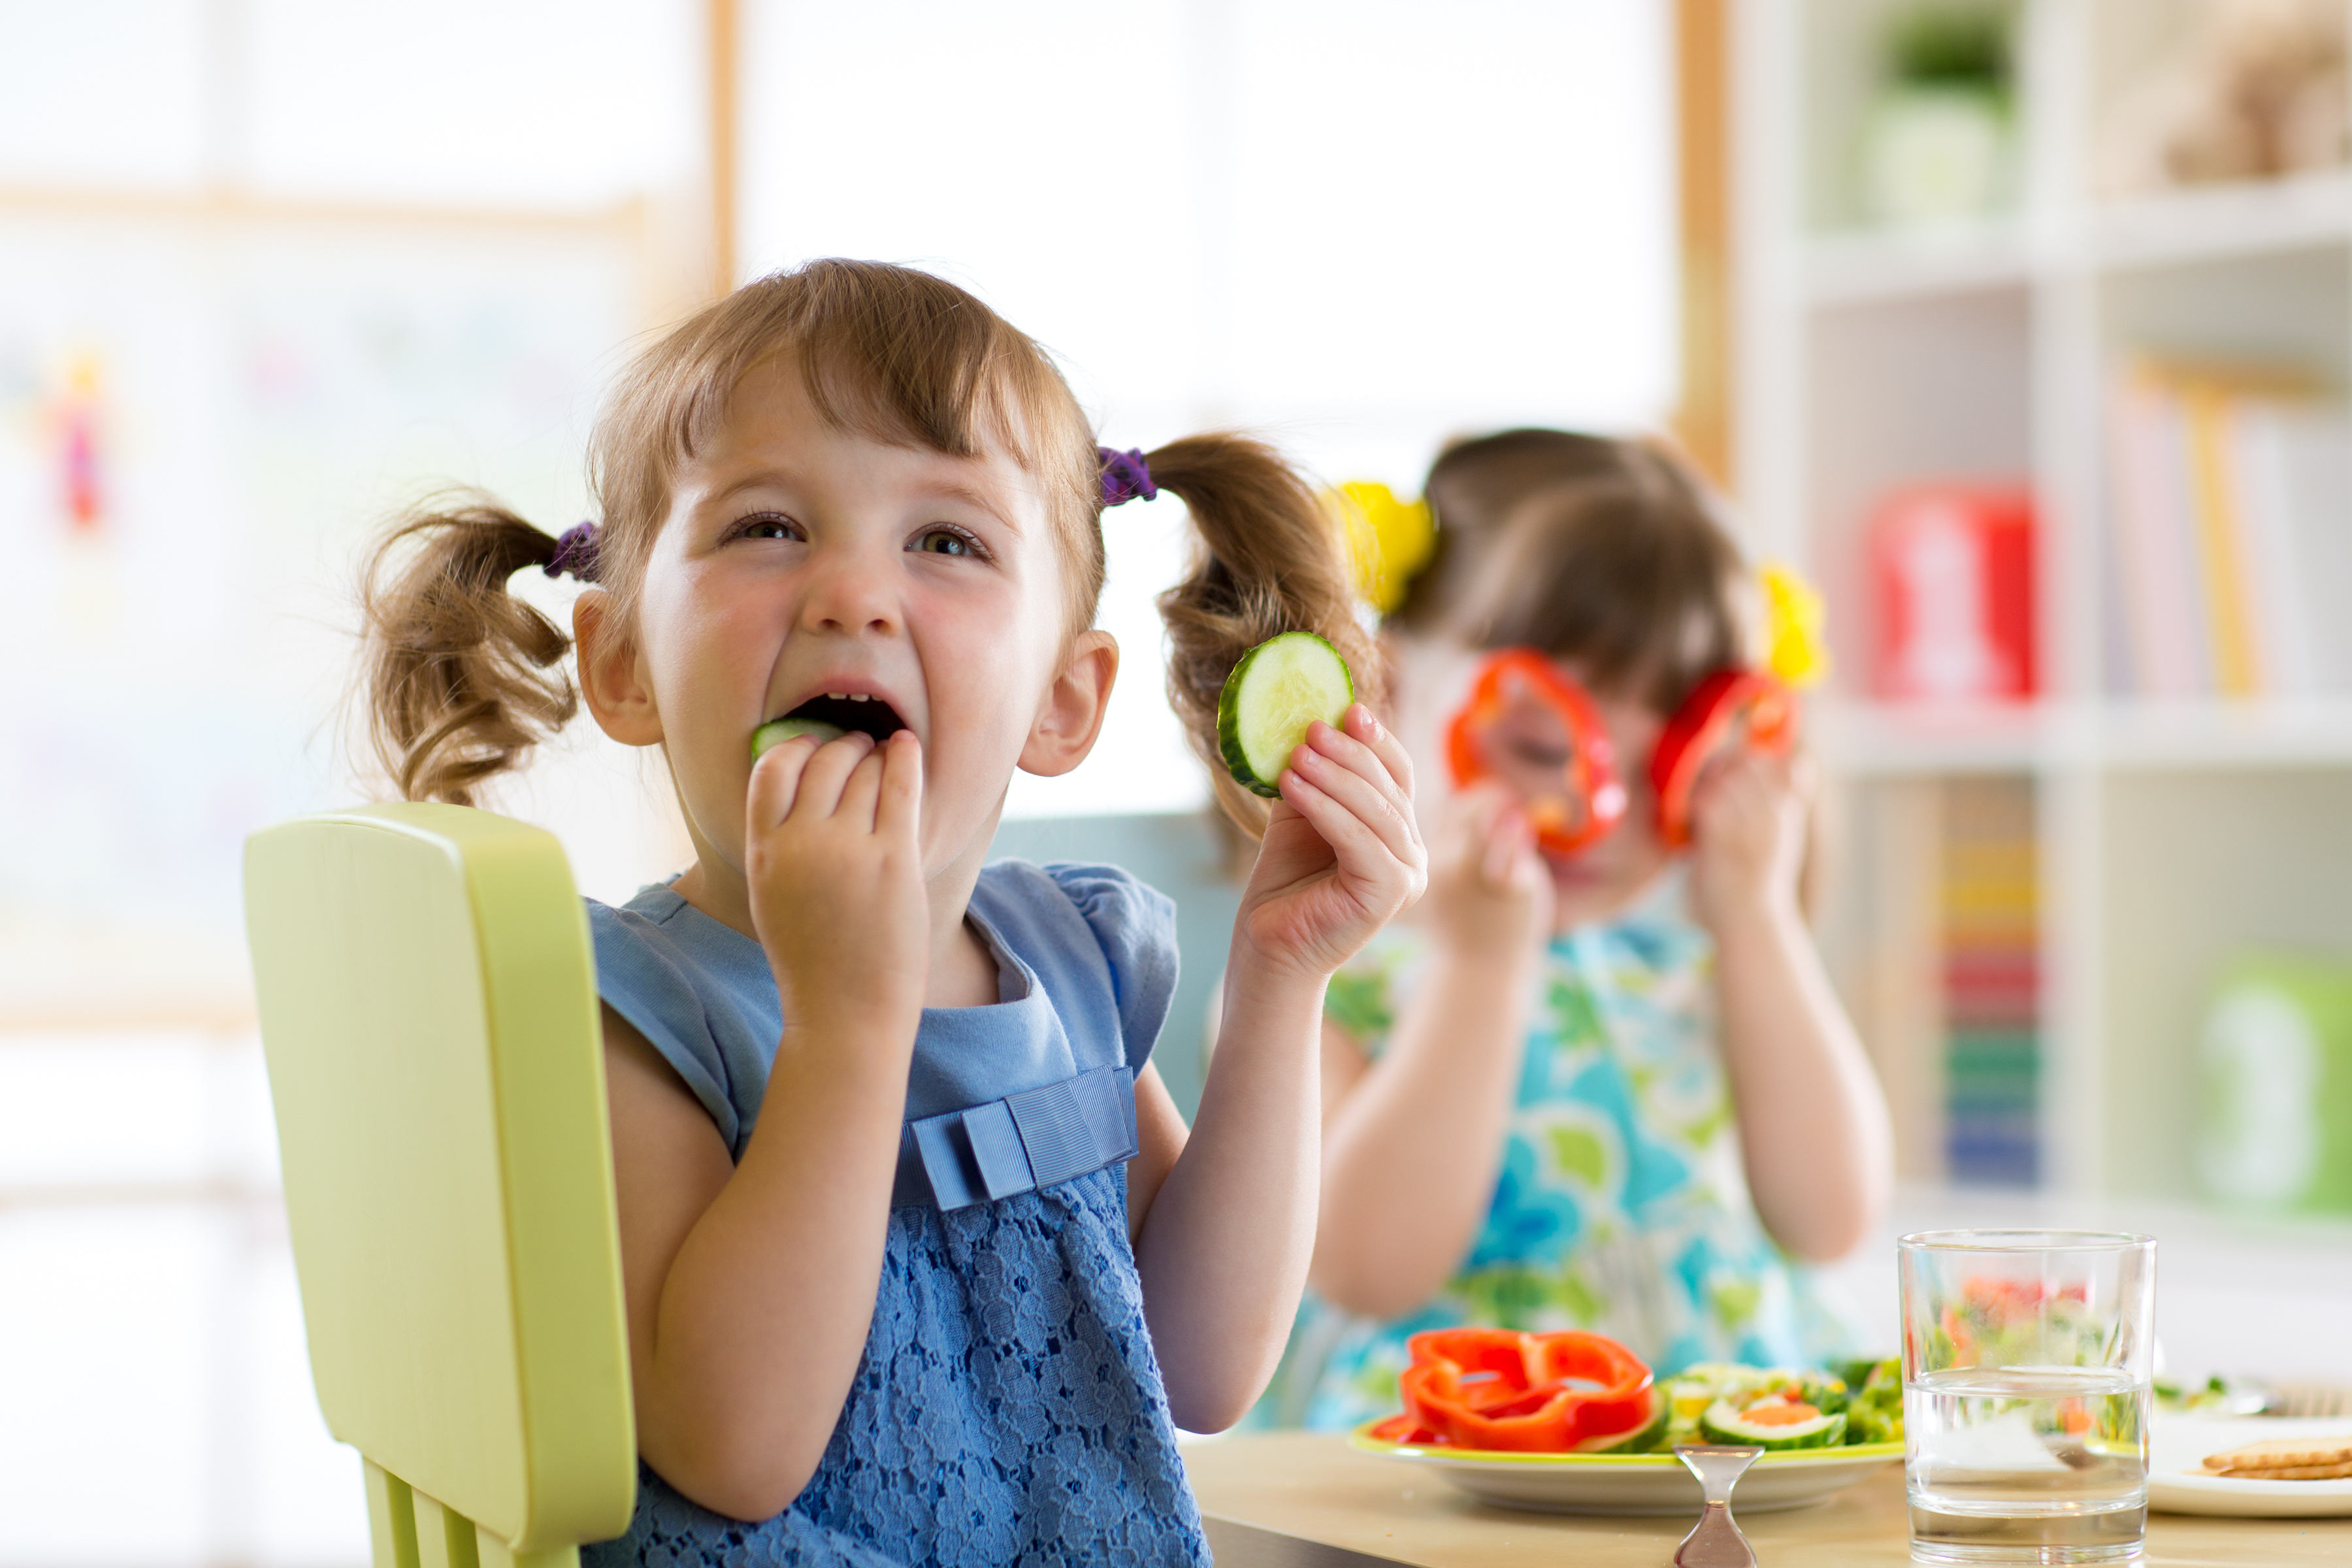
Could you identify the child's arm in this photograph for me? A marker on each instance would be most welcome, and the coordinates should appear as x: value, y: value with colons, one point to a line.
x: 1812, y: 1120
x: 750, y: 1285
x: 1223, y: 1245
x: 1413, y: 1141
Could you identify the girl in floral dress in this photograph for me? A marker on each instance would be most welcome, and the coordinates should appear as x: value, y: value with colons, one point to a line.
x: 1611, y: 1091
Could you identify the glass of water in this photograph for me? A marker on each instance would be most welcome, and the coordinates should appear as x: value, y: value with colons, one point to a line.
x: 2026, y: 1365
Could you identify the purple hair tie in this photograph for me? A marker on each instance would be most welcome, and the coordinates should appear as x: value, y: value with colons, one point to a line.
x: 575, y: 553
x: 1125, y: 476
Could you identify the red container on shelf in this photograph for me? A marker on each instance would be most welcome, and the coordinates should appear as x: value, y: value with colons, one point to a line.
x: 1952, y: 572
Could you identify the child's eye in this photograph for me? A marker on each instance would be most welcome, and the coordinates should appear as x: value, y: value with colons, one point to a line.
x: 768, y: 525
x: 942, y: 540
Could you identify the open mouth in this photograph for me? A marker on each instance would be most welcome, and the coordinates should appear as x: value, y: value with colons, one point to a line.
x: 871, y: 714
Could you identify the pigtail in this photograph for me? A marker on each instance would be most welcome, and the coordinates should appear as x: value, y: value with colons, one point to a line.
x: 1268, y: 559
x: 462, y: 677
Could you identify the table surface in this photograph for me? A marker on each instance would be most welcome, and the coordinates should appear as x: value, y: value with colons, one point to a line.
x: 1313, y: 1485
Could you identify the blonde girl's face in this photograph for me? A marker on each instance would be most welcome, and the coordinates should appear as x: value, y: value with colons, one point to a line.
x: 806, y: 569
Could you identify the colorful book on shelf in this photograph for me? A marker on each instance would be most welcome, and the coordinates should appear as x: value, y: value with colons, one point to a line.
x: 1991, y: 982
x: 2228, y: 489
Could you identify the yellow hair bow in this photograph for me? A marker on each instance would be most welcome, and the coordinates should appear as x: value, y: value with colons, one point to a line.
x: 1388, y: 540
x: 1796, y: 650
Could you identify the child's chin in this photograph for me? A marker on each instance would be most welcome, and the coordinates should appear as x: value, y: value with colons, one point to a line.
x: 1585, y: 890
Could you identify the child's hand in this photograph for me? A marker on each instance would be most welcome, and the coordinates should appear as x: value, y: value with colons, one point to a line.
x: 1343, y: 856
x: 1489, y: 890
x: 1747, y: 821
x: 837, y: 878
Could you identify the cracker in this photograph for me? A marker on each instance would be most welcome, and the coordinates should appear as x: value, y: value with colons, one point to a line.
x: 2293, y: 1473
x: 2284, y: 1453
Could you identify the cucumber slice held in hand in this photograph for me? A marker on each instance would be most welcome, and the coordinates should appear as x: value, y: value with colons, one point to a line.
x: 775, y: 732
x: 1278, y: 689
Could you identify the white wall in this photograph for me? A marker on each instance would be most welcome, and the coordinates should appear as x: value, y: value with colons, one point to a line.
x: 1359, y: 228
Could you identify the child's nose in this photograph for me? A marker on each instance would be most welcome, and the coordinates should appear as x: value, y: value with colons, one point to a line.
x: 849, y: 592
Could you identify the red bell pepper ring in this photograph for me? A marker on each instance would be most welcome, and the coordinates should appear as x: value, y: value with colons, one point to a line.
x: 1553, y: 1393
x: 1590, y: 800
x: 1731, y: 709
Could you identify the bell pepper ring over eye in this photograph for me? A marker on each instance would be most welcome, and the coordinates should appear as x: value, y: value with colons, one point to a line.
x: 1499, y: 1389
x: 1729, y: 711
x: 1524, y: 718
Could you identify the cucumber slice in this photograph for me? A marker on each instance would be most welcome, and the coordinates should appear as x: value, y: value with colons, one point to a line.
x: 1278, y: 689
x: 1726, y: 1422
x: 777, y: 731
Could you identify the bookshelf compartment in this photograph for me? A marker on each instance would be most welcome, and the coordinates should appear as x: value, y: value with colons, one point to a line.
x: 1905, y: 392
x: 1849, y: 67
x: 1934, y: 932
x: 2292, y: 310
x: 2201, y: 867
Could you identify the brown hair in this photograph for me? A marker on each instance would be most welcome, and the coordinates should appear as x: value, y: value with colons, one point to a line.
x: 462, y: 678
x: 1607, y: 552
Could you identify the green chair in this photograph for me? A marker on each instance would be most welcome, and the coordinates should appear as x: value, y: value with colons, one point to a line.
x: 429, y: 1010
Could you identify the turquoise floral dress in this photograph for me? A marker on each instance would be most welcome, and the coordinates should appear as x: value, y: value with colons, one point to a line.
x: 1622, y: 1205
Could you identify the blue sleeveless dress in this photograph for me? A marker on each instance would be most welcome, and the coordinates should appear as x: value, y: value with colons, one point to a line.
x: 1007, y: 1408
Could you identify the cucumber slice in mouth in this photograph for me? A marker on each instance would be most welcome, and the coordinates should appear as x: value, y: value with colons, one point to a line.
x: 1276, y: 691
x: 829, y: 718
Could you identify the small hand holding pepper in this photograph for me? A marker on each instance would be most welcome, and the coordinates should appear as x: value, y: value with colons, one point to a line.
x: 1748, y: 838
x: 1489, y: 891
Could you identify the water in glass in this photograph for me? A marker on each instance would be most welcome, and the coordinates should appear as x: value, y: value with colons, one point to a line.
x: 2043, y: 1463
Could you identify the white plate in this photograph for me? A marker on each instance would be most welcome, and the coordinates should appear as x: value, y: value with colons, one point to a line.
x: 2177, y: 1481
x: 1633, y: 1483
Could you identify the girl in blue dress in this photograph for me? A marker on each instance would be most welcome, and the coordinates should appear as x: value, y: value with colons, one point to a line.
x: 1610, y: 1090
x: 921, y: 1263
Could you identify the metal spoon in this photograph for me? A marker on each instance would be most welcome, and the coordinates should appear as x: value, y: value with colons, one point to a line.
x: 1715, y: 1541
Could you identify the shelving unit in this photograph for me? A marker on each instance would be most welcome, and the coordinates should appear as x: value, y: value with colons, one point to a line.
x: 2168, y: 835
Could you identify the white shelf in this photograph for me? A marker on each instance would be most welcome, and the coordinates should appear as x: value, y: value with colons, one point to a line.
x: 2226, y: 735
x: 2274, y: 217
x: 2225, y: 221
x: 1872, y: 739
x: 1877, y: 739
x: 1863, y: 266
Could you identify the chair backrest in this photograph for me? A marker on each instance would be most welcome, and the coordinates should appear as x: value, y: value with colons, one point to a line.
x: 429, y: 1010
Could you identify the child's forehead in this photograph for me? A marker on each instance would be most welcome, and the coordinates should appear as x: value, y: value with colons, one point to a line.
x: 773, y: 426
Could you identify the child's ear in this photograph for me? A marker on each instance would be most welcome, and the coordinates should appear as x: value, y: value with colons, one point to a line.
x: 611, y: 675
x: 1072, y: 714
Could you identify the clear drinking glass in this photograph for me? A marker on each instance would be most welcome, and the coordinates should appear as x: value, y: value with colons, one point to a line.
x: 2026, y: 1363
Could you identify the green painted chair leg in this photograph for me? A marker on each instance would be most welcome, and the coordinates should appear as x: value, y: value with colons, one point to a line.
x: 392, y: 1518
x: 444, y: 1538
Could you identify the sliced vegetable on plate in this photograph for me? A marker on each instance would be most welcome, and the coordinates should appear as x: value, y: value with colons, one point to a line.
x: 1496, y: 1389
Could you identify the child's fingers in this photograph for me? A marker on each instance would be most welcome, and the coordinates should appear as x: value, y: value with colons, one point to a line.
x: 1361, y: 722
x: 901, y: 804
x: 1377, y: 809
x: 1355, y: 844
x: 776, y: 780
x: 860, y: 791
x: 1360, y: 757
x: 822, y: 780
x: 1508, y: 845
